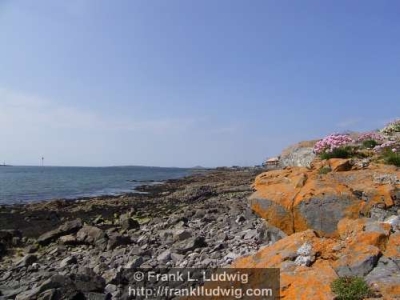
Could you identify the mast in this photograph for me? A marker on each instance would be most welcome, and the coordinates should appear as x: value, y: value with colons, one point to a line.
x: 42, y: 161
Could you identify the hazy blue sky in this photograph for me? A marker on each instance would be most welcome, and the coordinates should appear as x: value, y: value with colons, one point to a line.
x: 190, y: 82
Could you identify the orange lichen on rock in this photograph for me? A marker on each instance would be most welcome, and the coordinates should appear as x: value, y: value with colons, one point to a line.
x: 393, y: 246
x: 309, y: 283
x: 296, y: 198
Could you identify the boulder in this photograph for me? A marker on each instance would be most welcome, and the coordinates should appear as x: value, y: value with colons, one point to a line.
x: 299, y: 155
x: 65, y: 229
x: 134, y: 262
x: 189, y: 245
x: 116, y: 240
x: 68, y: 261
x: 164, y: 257
x: 129, y: 223
x: 297, y: 199
x: 181, y: 234
x: 386, y: 276
x: 92, y: 235
x: 27, y: 260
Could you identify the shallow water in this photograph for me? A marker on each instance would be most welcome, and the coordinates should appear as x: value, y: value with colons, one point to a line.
x: 25, y: 184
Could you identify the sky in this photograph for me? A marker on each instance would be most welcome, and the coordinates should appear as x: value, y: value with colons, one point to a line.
x: 185, y: 83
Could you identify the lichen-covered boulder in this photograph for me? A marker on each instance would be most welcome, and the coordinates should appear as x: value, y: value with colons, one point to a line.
x: 296, y: 198
x: 355, y: 252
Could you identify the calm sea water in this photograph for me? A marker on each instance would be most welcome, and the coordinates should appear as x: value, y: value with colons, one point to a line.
x: 26, y: 184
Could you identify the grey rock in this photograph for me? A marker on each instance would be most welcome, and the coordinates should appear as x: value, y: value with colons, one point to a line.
x: 68, y: 261
x: 363, y: 266
x: 116, y: 240
x: 323, y: 213
x: 304, y: 261
x: 164, y: 256
x: 305, y: 249
x: 387, y: 272
x: 177, y: 257
x: 68, y: 240
x: 250, y: 234
x: 378, y: 214
x: 240, y: 219
x: 92, y: 235
x: 66, y: 228
x: 129, y: 223
x: 231, y: 256
x: 134, y: 262
x: 181, y: 234
x: 30, y: 294
x: 268, y: 233
x: 96, y: 296
x: 394, y: 221
x: 88, y: 281
x: 111, y: 288
x: 27, y: 260
x: 31, y: 249
x: 297, y: 156
x: 190, y: 245
x: 52, y: 294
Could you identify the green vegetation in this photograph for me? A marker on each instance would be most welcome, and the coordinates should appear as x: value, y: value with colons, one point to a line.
x: 391, y: 158
x: 341, y: 152
x: 350, y: 288
x: 369, y: 144
x: 324, y: 170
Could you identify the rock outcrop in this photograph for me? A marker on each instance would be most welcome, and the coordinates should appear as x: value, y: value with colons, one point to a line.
x: 296, y: 198
x: 299, y: 155
x: 365, y: 248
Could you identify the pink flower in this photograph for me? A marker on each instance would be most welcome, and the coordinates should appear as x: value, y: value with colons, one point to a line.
x: 331, y: 142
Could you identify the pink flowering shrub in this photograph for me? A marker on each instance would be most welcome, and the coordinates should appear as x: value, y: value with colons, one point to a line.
x: 370, y: 136
x: 389, y: 145
x: 331, y: 142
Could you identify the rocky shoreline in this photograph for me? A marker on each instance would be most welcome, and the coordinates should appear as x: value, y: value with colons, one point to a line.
x: 76, y: 249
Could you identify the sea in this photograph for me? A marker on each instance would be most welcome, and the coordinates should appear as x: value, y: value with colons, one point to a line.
x: 21, y: 184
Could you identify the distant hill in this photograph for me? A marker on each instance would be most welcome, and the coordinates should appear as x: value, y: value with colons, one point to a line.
x: 198, y: 167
